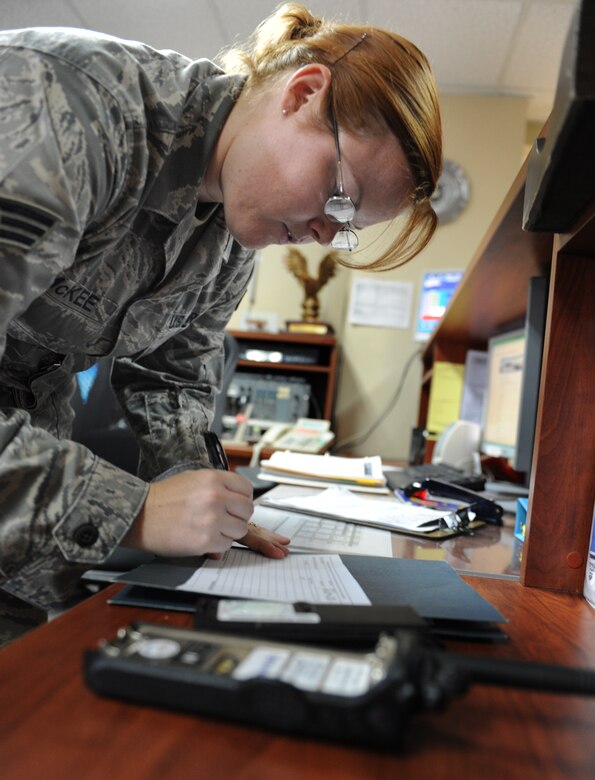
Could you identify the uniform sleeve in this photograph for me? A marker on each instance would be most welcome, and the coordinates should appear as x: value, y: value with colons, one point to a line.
x: 169, y: 395
x: 61, y: 506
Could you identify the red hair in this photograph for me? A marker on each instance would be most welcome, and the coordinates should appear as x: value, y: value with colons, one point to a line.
x: 379, y: 80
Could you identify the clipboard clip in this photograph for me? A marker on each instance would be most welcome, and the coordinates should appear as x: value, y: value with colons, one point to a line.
x: 459, y: 521
x: 484, y: 508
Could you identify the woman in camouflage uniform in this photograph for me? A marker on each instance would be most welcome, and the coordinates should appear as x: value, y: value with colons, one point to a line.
x: 135, y: 186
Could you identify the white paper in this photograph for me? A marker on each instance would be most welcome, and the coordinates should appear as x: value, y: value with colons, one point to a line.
x: 260, y: 321
x: 342, y: 504
x: 317, y: 579
x: 381, y: 303
x: 308, y: 533
x: 474, y: 386
x: 307, y: 670
x: 368, y: 470
x: 311, y: 482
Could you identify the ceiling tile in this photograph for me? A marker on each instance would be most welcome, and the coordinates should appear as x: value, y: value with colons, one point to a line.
x: 475, y: 46
x: 465, y: 40
x: 186, y: 26
x: 534, y: 60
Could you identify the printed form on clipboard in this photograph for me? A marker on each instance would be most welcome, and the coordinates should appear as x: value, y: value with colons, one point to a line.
x: 295, y: 467
x: 339, y: 503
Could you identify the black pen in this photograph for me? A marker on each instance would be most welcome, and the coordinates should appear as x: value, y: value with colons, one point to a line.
x: 215, y: 451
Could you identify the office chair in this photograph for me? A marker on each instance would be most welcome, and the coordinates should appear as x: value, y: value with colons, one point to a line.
x: 100, y: 424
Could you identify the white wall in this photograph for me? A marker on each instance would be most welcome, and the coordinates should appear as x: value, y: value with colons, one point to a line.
x: 485, y: 135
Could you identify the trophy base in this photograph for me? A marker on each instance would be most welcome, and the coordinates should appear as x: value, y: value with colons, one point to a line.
x: 315, y: 327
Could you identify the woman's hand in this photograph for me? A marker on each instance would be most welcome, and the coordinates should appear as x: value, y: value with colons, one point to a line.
x: 201, y: 513
x: 193, y: 513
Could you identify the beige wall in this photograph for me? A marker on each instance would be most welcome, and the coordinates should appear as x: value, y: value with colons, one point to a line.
x: 485, y: 135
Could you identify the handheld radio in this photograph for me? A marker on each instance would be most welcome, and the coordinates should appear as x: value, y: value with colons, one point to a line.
x: 307, y: 690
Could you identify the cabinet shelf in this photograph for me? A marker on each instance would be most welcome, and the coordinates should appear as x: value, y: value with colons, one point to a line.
x: 300, y: 368
x: 493, y: 290
x: 320, y: 373
x: 491, y: 296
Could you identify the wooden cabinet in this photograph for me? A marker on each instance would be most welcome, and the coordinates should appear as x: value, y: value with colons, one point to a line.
x: 492, y: 294
x: 308, y: 357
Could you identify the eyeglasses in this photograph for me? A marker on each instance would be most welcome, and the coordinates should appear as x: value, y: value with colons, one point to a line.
x: 339, y: 207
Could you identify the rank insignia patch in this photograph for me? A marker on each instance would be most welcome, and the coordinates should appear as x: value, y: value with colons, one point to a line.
x: 23, y: 224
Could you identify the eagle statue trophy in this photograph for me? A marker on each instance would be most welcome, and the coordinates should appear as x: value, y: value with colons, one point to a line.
x: 296, y: 263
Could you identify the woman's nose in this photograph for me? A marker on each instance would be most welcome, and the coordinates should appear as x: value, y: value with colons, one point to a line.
x: 324, y: 230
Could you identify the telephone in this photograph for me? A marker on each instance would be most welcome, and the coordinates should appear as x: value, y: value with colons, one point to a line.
x: 306, y: 435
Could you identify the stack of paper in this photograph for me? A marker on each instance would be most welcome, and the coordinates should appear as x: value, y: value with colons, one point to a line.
x: 302, y: 469
x: 339, y: 503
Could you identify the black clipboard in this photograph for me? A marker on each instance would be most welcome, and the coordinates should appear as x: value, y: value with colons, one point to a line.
x: 432, y: 588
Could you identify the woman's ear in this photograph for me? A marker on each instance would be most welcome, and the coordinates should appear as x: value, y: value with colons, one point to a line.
x: 305, y: 87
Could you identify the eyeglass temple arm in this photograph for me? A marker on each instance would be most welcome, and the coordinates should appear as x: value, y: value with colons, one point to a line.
x: 338, y: 148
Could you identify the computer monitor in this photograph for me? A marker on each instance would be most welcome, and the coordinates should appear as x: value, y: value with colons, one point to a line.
x: 534, y: 337
x: 506, y: 357
x: 436, y: 291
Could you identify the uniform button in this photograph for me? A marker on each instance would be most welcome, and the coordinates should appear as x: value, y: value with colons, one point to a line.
x: 86, y: 535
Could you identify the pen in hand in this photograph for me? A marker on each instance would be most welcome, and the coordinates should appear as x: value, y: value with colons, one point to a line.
x: 215, y: 451
x: 268, y: 543
x: 218, y: 458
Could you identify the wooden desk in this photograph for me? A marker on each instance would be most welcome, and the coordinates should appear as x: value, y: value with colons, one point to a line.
x: 52, y: 727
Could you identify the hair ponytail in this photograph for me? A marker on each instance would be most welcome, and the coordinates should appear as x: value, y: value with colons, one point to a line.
x: 272, y: 47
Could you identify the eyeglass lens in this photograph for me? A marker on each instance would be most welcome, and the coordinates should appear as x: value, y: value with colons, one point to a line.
x: 345, y: 239
x: 340, y: 208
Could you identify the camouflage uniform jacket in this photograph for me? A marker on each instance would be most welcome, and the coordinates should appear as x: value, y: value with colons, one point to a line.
x: 103, y: 251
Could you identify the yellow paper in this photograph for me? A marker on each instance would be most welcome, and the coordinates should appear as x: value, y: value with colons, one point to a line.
x: 445, y: 395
